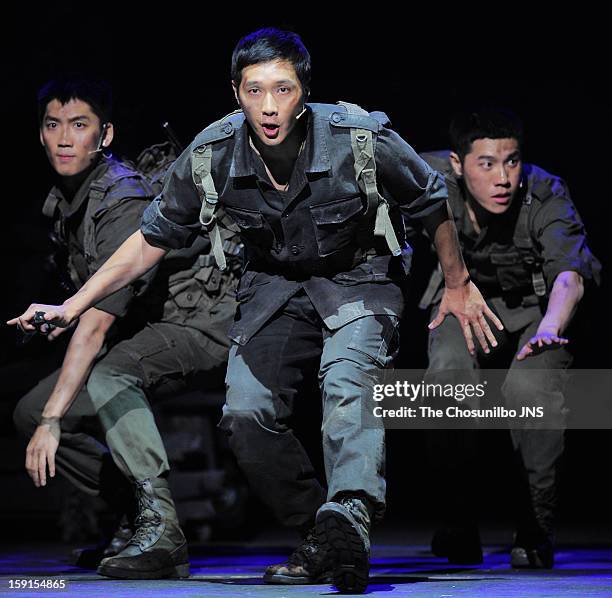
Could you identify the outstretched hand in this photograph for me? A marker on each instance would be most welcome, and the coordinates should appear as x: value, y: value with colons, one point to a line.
x: 53, y: 314
x: 544, y: 340
x: 471, y: 310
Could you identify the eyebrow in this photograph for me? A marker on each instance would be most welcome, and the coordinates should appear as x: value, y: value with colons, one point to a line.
x: 281, y: 82
x: 71, y: 120
x: 493, y: 158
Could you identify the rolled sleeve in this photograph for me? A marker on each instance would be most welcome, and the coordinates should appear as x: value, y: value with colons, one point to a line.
x: 562, y: 238
x: 413, y: 184
x: 172, y: 221
x: 164, y: 233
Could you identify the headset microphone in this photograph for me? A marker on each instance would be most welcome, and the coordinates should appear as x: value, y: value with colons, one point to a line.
x: 100, y: 147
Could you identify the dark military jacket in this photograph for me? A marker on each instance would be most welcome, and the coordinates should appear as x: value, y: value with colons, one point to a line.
x: 314, y: 236
x: 185, y: 289
x: 104, y: 212
x: 556, y: 231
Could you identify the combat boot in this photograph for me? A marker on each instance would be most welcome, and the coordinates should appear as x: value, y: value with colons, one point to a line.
x: 158, y: 548
x: 307, y: 564
x: 534, y: 544
x: 343, y: 530
x: 89, y: 558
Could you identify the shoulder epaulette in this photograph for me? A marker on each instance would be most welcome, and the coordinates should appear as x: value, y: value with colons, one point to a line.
x: 221, y: 129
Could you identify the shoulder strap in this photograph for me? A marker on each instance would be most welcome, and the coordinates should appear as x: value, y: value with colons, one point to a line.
x: 201, y: 172
x: 524, y: 243
x: 49, y: 206
x: 362, y: 127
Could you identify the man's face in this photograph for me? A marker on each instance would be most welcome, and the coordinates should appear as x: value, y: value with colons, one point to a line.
x: 491, y: 172
x: 270, y: 95
x: 70, y: 134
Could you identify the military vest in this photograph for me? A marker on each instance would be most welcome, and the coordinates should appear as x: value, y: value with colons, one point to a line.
x: 517, y: 266
x: 363, y: 127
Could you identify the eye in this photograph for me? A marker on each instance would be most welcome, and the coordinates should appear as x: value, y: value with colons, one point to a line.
x: 514, y: 161
x: 284, y: 89
x: 253, y: 91
x: 486, y: 164
x: 79, y: 125
x: 51, y: 125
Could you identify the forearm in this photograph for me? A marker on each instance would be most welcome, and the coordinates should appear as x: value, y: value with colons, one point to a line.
x: 133, y: 258
x: 565, y: 295
x: 441, y: 228
x: 83, y: 348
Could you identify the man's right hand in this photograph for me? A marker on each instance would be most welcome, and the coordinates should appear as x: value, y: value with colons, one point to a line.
x: 58, y: 315
x: 41, y: 451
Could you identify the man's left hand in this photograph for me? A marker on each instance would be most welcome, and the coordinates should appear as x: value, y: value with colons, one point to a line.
x: 544, y: 340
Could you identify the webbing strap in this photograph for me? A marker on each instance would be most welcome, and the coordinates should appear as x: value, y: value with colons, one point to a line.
x: 201, y: 165
x: 362, y: 145
x: 522, y: 240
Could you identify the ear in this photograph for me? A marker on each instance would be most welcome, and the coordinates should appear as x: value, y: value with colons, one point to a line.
x: 456, y: 164
x: 235, y: 89
x: 40, y: 136
x: 110, y: 134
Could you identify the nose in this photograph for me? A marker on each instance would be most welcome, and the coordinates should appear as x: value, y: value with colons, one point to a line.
x: 65, y: 138
x: 269, y: 107
x: 503, y: 180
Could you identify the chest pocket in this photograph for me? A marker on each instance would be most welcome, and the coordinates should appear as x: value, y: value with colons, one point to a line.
x: 510, y: 269
x: 336, y: 223
x: 186, y: 293
x: 253, y: 226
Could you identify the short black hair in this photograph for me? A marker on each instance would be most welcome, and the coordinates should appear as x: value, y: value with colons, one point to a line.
x: 96, y: 92
x: 265, y: 45
x: 483, y: 122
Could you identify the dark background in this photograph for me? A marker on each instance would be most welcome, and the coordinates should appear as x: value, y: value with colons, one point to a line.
x: 174, y: 66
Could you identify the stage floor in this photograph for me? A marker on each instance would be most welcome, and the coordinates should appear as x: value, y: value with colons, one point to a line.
x: 398, y: 569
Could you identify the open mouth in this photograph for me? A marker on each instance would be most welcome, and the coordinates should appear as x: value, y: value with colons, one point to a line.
x: 270, y: 129
x: 502, y: 200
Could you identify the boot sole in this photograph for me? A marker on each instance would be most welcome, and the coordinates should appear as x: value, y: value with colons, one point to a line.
x: 288, y: 580
x: 171, y: 572
x: 338, y: 535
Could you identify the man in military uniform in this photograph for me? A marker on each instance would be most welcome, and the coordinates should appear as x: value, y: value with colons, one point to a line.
x: 150, y: 337
x: 525, y: 246
x: 318, y: 192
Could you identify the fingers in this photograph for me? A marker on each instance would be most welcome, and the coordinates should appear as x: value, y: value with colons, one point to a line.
x: 539, y: 344
x: 32, y: 465
x: 524, y: 352
x: 24, y: 320
x: 51, y: 461
x: 437, y: 320
x: 467, y: 333
x: 487, y: 330
x: 489, y: 313
x: 480, y: 336
x: 55, y: 333
x: 42, y: 468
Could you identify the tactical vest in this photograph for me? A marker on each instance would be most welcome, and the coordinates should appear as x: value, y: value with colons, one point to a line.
x: 518, y: 267
x: 104, y: 194
x: 363, y: 129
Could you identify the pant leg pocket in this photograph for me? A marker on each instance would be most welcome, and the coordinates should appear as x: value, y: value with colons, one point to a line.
x: 376, y: 337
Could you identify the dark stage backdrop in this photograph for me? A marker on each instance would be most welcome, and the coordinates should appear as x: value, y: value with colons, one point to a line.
x: 174, y: 66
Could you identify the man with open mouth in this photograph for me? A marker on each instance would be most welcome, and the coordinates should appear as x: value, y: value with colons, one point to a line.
x: 318, y: 193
